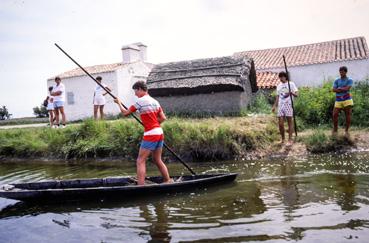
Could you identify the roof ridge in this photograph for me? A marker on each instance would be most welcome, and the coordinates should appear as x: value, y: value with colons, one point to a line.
x: 93, y: 69
x: 304, y: 45
x: 354, y: 48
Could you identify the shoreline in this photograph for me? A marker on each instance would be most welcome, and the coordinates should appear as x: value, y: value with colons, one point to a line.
x: 194, y: 140
x: 274, y: 151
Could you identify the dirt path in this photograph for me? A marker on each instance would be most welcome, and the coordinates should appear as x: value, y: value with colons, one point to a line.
x: 24, y: 126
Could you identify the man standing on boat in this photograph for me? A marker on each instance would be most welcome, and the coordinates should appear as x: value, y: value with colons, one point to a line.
x: 152, y: 116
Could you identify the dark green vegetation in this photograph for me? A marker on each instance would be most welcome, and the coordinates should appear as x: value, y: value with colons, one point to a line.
x: 4, y: 113
x: 320, y: 142
x: 198, y: 139
x: 193, y: 139
x: 314, y: 105
x: 40, y: 111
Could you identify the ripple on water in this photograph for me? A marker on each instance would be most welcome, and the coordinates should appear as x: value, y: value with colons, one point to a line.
x: 317, y: 199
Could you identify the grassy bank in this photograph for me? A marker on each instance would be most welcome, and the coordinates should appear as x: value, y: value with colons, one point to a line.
x: 192, y: 139
x: 320, y: 142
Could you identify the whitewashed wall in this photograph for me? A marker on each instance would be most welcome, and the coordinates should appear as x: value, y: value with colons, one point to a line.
x: 83, y: 88
x: 314, y: 75
x: 127, y: 76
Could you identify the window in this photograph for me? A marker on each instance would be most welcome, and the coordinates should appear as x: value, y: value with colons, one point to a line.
x: 70, y: 98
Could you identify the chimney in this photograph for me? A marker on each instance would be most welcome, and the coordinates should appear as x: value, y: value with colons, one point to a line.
x: 143, y: 51
x: 131, y: 53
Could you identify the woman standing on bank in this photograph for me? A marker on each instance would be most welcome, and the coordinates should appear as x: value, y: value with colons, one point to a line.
x: 99, y: 98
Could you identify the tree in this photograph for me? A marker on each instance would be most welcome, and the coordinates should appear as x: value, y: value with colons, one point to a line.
x: 4, y: 113
x: 40, y: 111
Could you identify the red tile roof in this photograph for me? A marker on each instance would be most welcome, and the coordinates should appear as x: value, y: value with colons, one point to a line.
x: 267, y: 80
x: 324, y: 52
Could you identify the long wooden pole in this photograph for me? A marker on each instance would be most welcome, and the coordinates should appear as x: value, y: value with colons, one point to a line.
x: 289, y: 90
x: 134, y: 116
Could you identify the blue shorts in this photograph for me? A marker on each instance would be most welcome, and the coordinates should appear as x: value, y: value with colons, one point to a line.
x: 152, y: 145
x: 58, y: 104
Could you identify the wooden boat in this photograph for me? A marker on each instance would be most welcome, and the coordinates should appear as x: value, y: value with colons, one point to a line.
x: 122, y: 187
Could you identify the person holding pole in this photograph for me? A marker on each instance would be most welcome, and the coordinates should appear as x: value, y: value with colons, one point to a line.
x: 121, y: 104
x: 152, y: 116
x: 285, y: 90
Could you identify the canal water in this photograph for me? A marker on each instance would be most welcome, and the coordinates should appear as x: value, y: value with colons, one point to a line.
x: 313, y: 199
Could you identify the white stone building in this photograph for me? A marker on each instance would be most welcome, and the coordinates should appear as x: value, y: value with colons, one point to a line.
x: 118, y: 76
x: 312, y: 64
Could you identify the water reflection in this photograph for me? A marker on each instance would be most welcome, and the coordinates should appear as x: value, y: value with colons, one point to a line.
x: 157, y: 216
x: 289, y: 189
x: 324, y: 197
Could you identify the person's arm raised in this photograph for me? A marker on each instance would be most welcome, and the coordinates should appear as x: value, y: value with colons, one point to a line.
x: 124, y: 111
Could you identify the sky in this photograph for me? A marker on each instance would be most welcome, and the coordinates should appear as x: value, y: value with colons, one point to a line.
x: 93, y: 32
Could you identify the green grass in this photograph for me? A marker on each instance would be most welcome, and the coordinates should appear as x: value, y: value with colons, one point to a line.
x: 193, y: 139
x: 320, y: 142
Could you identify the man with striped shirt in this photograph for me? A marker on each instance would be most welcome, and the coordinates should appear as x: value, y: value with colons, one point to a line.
x: 152, y: 116
x: 341, y: 87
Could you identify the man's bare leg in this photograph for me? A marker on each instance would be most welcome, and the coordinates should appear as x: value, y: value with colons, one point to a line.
x: 336, y: 112
x: 63, y: 115
x: 160, y: 164
x: 348, y: 112
x: 143, y: 154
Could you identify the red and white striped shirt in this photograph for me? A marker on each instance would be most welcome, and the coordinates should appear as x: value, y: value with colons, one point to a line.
x: 149, y: 109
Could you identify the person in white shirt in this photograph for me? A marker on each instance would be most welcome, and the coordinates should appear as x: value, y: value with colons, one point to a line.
x: 283, y: 101
x: 59, y: 98
x: 99, y: 98
x: 50, y: 107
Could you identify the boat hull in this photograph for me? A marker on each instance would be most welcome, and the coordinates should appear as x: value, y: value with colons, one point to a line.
x: 119, y: 187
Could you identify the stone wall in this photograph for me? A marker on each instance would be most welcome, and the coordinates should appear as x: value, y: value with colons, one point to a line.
x: 219, y: 103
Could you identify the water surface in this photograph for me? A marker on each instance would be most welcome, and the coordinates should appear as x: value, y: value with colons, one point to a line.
x: 314, y: 199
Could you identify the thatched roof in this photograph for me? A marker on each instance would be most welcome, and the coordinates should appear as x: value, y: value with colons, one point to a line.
x: 202, y: 76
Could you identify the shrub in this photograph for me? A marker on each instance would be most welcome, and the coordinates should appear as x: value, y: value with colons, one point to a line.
x: 260, y: 104
x: 360, y: 114
x: 314, y: 105
x: 319, y: 142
